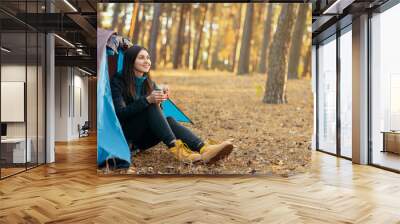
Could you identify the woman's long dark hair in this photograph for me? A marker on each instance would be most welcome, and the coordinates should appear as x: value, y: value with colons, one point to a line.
x: 128, y: 72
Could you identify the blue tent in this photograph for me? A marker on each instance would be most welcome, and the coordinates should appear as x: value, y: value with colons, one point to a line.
x: 111, y: 142
x: 170, y: 109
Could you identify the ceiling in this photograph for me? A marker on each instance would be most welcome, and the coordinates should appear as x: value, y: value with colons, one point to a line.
x: 331, y: 15
x: 73, y: 20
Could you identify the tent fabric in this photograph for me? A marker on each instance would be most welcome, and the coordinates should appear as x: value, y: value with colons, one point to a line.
x: 111, y: 142
x: 170, y: 109
x: 120, y: 61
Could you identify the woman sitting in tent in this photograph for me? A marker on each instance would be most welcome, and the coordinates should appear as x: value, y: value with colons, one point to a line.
x: 137, y: 105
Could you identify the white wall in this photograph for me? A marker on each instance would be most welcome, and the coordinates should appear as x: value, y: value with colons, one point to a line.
x: 80, y: 100
x: 71, y: 93
x: 12, y: 73
x: 61, y: 103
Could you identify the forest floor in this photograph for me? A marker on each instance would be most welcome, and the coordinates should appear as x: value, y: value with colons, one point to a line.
x: 268, y: 139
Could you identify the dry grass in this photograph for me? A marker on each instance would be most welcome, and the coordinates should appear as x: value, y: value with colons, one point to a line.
x: 269, y: 139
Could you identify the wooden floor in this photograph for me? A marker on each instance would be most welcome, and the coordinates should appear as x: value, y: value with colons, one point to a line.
x: 5, y: 172
x: 387, y: 159
x: 10, y: 171
x: 69, y: 191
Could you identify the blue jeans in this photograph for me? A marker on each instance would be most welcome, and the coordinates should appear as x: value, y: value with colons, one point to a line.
x: 150, y: 127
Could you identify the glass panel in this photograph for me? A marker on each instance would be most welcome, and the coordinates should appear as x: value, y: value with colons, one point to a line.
x: 314, y: 87
x: 13, y: 74
x: 13, y: 89
x: 32, y: 88
x: 346, y: 94
x: 327, y: 96
x: 386, y: 89
x: 41, y: 99
x: 22, y: 67
x: 31, y: 98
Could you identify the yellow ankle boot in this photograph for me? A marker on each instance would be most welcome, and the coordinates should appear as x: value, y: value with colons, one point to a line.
x: 212, y: 153
x: 182, y: 152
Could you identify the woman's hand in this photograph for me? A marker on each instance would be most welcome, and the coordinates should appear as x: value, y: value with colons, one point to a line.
x: 166, y: 91
x: 157, y: 96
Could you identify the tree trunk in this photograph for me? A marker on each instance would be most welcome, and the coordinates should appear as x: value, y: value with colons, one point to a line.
x: 189, y: 38
x: 115, y: 21
x: 297, y: 42
x: 179, y: 39
x: 262, y: 68
x: 136, y: 29
x: 143, y: 25
x: 254, y: 57
x: 154, y: 34
x: 236, y: 27
x: 213, y: 8
x: 307, y: 63
x: 244, y: 58
x: 214, y: 58
x: 200, y: 38
x: 275, y: 89
x: 122, y: 23
x: 164, y: 46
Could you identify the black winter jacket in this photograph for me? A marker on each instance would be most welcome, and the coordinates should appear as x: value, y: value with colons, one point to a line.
x: 125, y: 106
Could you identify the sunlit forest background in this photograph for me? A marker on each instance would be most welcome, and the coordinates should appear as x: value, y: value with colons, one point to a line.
x: 238, y: 70
x: 226, y: 36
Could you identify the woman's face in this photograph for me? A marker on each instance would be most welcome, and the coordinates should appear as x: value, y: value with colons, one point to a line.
x: 142, y: 62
